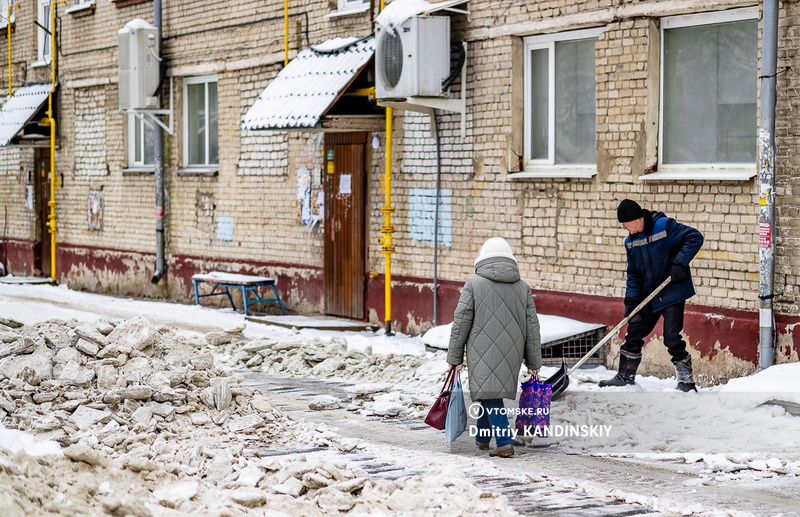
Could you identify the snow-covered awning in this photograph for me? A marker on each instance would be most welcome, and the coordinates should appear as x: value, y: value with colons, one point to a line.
x: 20, y: 109
x: 309, y: 85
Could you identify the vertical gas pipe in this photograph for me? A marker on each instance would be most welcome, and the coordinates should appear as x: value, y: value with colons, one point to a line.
x: 387, y: 229
x: 51, y: 122
x: 158, y: 174
x: 766, y: 154
x: 8, y: 31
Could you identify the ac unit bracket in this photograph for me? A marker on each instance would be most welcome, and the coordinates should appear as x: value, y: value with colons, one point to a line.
x: 148, y: 116
x: 428, y: 104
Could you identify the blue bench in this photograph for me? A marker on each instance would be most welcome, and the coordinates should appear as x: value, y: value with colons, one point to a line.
x: 224, y: 282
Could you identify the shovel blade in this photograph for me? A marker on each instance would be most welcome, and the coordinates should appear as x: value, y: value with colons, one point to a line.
x: 559, y: 380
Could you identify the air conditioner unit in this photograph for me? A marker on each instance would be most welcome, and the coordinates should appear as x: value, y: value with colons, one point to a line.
x: 139, y: 71
x: 413, y: 60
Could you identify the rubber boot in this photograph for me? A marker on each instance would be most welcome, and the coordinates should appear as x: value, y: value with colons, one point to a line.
x: 683, y: 372
x: 626, y: 373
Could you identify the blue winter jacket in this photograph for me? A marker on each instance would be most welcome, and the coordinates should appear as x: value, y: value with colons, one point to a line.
x: 651, y: 254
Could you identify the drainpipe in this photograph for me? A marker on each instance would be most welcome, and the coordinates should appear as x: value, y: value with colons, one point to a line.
x: 766, y: 213
x: 158, y: 155
x: 51, y: 122
x: 8, y: 30
x: 285, y: 32
x: 436, y: 219
x: 387, y: 229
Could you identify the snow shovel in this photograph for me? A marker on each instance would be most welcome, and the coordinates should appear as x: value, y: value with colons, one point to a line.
x: 561, y: 378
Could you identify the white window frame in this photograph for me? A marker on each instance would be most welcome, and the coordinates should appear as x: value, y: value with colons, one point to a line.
x: 79, y: 5
x: 200, y: 79
x: 699, y: 171
x: 4, y: 22
x: 547, y: 168
x: 43, y: 43
x: 133, y: 120
x: 346, y: 7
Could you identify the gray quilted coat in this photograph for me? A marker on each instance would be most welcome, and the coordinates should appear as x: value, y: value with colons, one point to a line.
x: 496, y: 322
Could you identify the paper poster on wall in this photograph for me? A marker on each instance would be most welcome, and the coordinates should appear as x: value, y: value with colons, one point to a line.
x: 303, y: 196
x: 345, y: 183
x: 29, y: 197
x: 94, y: 212
x: 225, y: 228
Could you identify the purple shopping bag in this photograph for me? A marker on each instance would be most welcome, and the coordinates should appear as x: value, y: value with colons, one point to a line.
x: 534, y: 406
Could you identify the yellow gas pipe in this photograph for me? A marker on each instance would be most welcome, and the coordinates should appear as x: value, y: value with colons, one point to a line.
x: 387, y: 229
x: 51, y: 122
x: 8, y: 31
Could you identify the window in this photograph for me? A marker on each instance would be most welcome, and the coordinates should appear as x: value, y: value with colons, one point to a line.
x: 709, y: 84
x: 345, y: 7
x: 43, y: 33
x: 560, y: 115
x: 75, y: 6
x: 200, y: 121
x: 141, y: 148
x: 4, y: 21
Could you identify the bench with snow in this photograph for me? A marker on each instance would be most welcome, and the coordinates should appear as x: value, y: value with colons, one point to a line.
x: 223, y: 282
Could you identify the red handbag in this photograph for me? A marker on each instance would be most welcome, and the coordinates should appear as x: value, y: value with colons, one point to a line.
x: 438, y: 413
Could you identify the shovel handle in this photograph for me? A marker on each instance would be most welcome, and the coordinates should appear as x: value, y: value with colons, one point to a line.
x: 625, y: 320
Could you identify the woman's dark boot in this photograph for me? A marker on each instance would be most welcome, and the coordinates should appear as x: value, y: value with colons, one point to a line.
x: 626, y: 373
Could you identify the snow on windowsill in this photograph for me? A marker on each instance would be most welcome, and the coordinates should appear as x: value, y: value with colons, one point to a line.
x: 556, y: 172
x: 80, y: 7
x: 357, y: 10
x: 211, y: 169
x: 700, y: 175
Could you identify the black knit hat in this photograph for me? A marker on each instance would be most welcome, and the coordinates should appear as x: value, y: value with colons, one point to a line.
x: 629, y: 210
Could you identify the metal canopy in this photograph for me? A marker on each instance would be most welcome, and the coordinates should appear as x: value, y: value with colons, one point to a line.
x: 20, y: 109
x: 309, y: 85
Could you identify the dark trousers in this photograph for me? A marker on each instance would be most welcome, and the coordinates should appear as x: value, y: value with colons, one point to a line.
x: 641, y: 325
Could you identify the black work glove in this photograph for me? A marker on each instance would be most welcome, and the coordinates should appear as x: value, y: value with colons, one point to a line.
x: 678, y: 272
x: 630, y: 304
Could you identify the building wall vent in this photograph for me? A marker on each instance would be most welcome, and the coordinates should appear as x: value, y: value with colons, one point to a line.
x: 413, y: 59
x: 139, y: 70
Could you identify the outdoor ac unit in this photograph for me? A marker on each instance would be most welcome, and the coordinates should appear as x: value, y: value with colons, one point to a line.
x: 139, y: 71
x: 413, y: 59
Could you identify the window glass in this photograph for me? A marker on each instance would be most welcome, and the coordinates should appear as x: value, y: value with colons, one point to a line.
x: 201, y: 121
x: 539, y: 105
x: 709, y: 93
x: 575, y: 102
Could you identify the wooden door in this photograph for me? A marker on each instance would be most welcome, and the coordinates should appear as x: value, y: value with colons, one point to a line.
x: 345, y: 224
x: 42, y: 245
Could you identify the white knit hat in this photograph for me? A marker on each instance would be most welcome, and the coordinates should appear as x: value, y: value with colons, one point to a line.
x: 495, y: 247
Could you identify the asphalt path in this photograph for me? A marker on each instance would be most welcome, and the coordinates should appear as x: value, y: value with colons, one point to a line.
x: 537, y: 481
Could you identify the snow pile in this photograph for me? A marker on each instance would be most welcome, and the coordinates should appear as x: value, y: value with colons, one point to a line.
x: 389, y: 384
x: 780, y: 382
x: 132, y: 418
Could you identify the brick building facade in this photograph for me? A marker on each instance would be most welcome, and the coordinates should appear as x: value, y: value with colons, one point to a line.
x: 547, y: 185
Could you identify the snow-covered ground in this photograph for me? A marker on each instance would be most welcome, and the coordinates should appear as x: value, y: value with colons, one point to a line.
x: 724, y: 434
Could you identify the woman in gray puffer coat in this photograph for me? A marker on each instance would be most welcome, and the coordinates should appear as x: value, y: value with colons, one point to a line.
x: 496, y: 322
